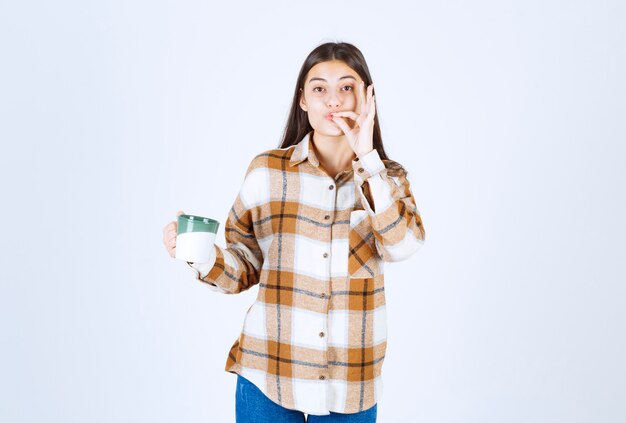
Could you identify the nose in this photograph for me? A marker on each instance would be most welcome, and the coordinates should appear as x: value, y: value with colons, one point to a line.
x: 333, y: 101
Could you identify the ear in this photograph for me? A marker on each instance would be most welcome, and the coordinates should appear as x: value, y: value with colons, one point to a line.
x: 302, y: 102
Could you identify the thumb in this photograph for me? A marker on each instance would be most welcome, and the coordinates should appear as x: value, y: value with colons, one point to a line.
x: 342, y: 124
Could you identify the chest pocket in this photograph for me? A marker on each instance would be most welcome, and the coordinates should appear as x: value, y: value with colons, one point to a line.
x: 363, y: 259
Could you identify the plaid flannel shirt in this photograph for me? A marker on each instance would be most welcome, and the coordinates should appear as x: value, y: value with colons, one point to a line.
x: 315, y: 338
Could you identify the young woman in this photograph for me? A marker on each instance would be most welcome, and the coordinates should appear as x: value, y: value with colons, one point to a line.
x: 314, y: 222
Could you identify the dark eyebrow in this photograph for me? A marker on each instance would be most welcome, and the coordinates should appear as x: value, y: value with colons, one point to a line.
x: 322, y: 79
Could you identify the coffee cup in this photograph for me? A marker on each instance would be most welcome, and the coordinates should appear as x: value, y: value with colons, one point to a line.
x: 195, y: 238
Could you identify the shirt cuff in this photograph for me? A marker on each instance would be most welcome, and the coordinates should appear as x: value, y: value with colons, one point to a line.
x: 203, y: 269
x: 367, y: 166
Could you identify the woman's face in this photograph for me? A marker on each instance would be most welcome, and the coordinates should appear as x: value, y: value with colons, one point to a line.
x: 329, y: 87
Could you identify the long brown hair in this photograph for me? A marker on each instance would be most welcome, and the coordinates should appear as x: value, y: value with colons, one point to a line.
x: 298, y: 123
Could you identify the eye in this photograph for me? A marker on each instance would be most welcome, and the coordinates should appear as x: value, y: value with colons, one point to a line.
x: 349, y: 88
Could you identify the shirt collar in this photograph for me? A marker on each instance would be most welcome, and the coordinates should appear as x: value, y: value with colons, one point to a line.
x: 304, y: 151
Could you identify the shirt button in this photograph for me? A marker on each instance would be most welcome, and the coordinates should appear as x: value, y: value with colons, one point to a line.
x: 361, y: 169
x: 322, y: 377
x: 327, y: 217
x: 321, y: 334
x: 325, y: 255
x: 322, y: 295
x: 331, y: 187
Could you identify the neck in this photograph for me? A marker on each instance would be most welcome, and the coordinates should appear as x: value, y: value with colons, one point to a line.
x: 333, y: 152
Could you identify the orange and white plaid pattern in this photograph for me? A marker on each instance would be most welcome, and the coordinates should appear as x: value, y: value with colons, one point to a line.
x: 315, y: 338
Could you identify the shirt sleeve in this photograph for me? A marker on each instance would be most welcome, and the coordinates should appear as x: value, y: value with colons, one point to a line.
x: 396, y: 221
x: 237, y: 267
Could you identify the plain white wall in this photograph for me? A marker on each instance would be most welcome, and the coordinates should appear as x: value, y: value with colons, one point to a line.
x: 508, y: 115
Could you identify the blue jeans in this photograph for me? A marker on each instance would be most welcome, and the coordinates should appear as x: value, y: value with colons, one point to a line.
x: 252, y: 406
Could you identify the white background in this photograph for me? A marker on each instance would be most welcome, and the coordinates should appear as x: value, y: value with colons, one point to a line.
x: 508, y: 115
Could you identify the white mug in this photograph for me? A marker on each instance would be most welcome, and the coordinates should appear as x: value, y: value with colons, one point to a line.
x: 195, y: 238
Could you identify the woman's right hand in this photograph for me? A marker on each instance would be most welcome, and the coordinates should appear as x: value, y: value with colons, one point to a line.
x: 169, y: 235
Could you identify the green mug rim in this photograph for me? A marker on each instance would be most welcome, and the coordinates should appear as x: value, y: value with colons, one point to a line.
x: 194, y: 223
